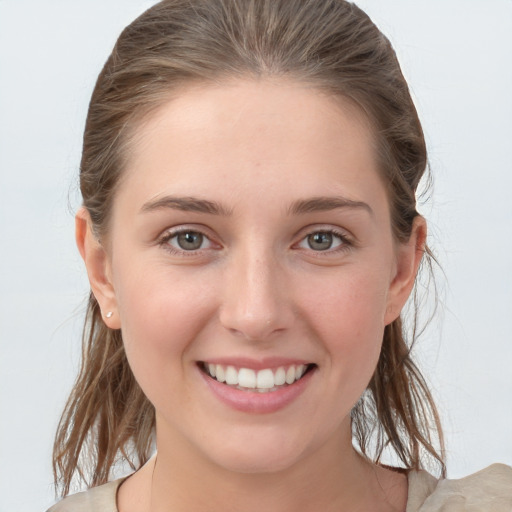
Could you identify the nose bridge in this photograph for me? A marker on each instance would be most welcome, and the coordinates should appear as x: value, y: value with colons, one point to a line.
x: 254, y: 304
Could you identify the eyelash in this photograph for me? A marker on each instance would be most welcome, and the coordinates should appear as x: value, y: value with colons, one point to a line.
x: 164, y: 240
x: 345, y: 242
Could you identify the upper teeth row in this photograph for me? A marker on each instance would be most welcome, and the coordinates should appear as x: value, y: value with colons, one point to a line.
x: 262, y: 379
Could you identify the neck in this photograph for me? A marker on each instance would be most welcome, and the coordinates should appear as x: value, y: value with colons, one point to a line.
x: 333, y: 477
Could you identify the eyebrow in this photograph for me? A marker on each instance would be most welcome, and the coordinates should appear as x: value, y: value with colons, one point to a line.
x: 186, y: 204
x: 299, y: 207
x: 322, y: 204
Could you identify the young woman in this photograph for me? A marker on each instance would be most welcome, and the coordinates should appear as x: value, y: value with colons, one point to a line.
x: 250, y: 232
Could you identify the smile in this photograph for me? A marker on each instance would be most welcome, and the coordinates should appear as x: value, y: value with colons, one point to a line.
x: 263, y: 381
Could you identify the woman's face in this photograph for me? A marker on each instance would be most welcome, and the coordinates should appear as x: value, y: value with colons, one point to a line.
x: 250, y: 238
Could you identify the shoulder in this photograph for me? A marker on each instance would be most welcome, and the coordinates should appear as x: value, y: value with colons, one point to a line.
x: 97, y: 499
x: 486, y: 490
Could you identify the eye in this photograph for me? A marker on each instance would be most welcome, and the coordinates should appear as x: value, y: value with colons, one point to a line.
x: 187, y: 240
x: 323, y: 241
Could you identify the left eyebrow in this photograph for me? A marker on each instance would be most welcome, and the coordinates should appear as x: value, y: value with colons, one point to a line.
x: 323, y: 204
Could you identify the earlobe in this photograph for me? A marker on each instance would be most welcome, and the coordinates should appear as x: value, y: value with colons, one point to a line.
x: 409, y: 256
x: 98, y: 268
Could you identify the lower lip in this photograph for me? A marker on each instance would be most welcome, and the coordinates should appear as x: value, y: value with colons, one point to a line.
x: 254, y: 401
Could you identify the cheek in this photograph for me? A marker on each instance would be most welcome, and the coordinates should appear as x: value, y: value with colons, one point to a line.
x: 355, y: 302
x: 162, y: 313
x: 348, y: 314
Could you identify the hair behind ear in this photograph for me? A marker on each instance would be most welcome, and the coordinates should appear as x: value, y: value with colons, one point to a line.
x: 106, y: 410
x: 397, y: 408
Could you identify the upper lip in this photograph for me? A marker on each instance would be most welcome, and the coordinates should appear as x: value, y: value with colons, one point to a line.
x: 256, y: 364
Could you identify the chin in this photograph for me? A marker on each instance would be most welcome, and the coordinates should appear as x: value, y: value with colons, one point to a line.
x: 253, y: 454
x: 256, y: 463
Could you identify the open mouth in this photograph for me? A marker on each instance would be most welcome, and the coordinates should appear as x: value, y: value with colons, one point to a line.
x: 262, y: 381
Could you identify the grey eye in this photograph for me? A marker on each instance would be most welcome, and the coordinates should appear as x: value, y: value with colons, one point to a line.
x: 320, y: 241
x: 323, y: 241
x: 188, y: 240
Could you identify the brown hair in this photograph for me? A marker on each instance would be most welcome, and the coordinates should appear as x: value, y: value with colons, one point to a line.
x: 335, y: 47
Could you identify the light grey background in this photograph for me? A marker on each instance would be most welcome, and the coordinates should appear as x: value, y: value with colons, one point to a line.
x: 456, y: 55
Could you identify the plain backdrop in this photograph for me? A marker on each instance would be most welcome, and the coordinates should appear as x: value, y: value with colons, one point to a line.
x: 456, y: 55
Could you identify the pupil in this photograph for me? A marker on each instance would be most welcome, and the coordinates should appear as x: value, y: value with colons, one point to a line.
x: 320, y: 241
x: 190, y: 240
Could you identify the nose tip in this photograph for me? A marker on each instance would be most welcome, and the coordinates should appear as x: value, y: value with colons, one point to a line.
x: 250, y: 325
x: 255, y: 306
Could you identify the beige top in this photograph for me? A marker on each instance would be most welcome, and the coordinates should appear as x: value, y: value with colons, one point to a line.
x: 488, y: 490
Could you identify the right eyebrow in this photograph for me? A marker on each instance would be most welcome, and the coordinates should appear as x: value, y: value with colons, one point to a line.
x: 186, y: 204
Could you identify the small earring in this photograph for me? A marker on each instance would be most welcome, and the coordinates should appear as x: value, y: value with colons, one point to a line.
x: 109, y: 314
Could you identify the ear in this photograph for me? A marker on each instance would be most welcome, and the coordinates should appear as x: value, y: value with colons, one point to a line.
x: 409, y: 255
x: 98, y: 268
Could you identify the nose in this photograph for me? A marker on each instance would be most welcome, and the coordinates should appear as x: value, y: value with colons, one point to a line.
x: 256, y: 302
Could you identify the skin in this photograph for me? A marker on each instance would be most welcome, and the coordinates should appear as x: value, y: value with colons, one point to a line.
x: 255, y: 288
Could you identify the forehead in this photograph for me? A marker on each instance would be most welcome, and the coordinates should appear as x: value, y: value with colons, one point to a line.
x: 242, y: 132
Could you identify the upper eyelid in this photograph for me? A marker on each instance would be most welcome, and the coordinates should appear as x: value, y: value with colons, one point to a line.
x: 344, y: 238
x: 324, y: 228
x: 176, y: 230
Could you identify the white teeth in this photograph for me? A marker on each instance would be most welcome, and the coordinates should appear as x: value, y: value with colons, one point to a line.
x: 247, y: 378
x: 219, y: 373
x: 290, y: 375
x: 231, y: 376
x: 280, y: 376
x: 263, y: 380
